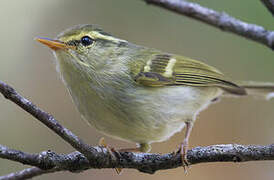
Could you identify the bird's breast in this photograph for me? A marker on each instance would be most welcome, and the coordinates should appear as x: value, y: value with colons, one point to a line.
x: 125, y: 110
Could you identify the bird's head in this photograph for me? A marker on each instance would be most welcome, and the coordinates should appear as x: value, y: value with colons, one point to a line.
x: 86, y: 45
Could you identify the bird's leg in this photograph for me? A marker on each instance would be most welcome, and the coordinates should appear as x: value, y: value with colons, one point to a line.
x: 137, y: 149
x: 143, y: 147
x: 184, y: 146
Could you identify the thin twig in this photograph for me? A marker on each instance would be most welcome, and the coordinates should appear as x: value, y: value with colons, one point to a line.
x: 47, y: 119
x: 27, y: 174
x: 144, y: 162
x: 269, y: 4
x: 220, y: 20
x: 100, y: 157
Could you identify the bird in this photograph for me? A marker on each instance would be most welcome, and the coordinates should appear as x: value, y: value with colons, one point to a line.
x: 139, y: 94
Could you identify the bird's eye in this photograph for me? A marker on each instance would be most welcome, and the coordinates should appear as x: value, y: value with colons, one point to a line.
x: 86, y: 41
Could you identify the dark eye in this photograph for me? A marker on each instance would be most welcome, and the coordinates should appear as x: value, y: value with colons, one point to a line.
x: 86, y: 41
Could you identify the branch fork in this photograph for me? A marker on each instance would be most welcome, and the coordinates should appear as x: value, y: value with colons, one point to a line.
x: 87, y: 157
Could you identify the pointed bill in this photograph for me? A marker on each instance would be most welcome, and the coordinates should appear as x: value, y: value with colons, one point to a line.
x: 54, y: 44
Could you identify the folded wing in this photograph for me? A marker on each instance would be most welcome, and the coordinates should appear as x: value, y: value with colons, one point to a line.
x: 169, y: 70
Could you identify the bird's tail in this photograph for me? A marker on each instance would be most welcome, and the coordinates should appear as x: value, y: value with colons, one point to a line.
x: 257, y: 89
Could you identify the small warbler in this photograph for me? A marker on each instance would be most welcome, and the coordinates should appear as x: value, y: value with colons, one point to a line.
x: 135, y: 93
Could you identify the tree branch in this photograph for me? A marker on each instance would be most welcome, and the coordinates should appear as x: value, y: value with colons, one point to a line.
x: 87, y: 157
x: 99, y: 157
x: 49, y: 161
x: 47, y: 119
x: 269, y: 4
x: 27, y: 173
x: 219, y: 20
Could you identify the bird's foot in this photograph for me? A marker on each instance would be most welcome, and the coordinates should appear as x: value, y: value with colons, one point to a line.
x: 112, y: 153
x: 183, y: 152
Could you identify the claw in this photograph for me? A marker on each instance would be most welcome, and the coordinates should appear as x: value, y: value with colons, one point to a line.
x: 143, y: 147
x: 184, y: 146
x: 119, y: 170
x: 111, y: 151
x: 183, y: 151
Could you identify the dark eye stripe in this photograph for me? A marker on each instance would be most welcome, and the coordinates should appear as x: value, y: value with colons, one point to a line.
x: 73, y: 42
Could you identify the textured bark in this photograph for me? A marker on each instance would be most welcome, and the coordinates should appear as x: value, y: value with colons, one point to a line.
x: 219, y: 20
x: 269, y: 4
x: 46, y: 118
x: 48, y: 161
x: 87, y: 157
x: 99, y: 157
x: 26, y: 174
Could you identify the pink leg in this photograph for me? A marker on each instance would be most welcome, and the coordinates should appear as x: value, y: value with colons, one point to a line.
x: 184, y: 146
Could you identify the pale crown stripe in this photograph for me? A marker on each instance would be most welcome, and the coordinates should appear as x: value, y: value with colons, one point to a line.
x: 110, y: 38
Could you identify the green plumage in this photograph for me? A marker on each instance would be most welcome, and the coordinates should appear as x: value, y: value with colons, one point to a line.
x: 184, y: 71
x: 136, y: 93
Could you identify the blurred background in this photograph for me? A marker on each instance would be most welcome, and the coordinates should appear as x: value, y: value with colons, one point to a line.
x: 29, y: 68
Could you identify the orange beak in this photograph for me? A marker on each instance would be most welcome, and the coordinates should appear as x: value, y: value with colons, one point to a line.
x: 54, y: 44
